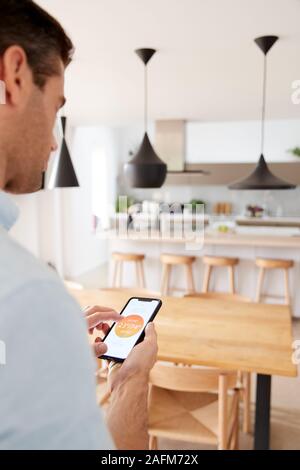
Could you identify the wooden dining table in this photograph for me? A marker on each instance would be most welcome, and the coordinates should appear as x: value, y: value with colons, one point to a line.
x: 250, y: 337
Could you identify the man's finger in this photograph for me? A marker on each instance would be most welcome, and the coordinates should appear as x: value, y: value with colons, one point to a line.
x: 103, y: 327
x: 100, y: 317
x: 150, y: 332
x: 100, y: 348
x: 97, y: 308
x: 100, y: 327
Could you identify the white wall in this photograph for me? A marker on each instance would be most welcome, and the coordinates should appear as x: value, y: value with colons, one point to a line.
x: 81, y: 249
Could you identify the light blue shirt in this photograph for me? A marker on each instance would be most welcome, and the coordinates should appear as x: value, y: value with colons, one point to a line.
x: 47, y: 386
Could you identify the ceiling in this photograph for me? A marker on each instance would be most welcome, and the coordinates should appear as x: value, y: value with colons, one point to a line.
x: 207, y: 66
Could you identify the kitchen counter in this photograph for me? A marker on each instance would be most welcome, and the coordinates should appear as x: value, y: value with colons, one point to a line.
x: 268, y: 221
x: 246, y: 243
x: 250, y: 236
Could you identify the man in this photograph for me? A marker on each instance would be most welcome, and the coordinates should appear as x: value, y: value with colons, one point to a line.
x: 47, y: 387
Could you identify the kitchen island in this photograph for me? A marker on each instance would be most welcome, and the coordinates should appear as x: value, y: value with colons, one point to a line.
x: 246, y: 243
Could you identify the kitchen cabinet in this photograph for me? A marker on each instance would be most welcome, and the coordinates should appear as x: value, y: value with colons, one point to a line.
x: 239, y: 141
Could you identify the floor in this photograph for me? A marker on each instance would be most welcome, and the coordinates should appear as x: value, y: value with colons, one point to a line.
x: 285, y: 417
x: 94, y: 279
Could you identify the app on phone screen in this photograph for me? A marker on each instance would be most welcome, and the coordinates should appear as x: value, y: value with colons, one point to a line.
x: 127, y: 331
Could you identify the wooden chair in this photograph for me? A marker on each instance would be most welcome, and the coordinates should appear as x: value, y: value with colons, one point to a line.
x: 193, y: 405
x: 119, y: 259
x: 211, y: 262
x: 267, y: 264
x: 170, y: 260
x: 244, y: 378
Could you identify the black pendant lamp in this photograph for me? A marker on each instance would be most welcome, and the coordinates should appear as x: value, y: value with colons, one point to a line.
x: 146, y: 169
x: 262, y: 177
x: 43, y: 181
x: 64, y: 173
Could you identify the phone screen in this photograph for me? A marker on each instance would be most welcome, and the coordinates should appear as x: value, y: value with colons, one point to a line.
x: 124, y: 334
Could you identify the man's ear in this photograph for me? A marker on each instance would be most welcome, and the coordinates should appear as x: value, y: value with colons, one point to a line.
x: 17, y: 76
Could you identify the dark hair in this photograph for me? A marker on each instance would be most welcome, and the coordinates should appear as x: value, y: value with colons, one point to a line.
x: 24, y: 23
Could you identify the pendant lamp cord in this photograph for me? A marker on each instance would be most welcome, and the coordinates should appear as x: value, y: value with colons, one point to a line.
x: 146, y: 100
x: 263, y: 113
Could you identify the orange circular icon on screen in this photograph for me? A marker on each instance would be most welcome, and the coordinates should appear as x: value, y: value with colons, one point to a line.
x: 129, y: 326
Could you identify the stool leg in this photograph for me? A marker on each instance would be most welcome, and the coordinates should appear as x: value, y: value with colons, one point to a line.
x: 153, y: 443
x: 138, y: 274
x: 235, y: 440
x: 165, y: 279
x: 143, y: 283
x: 115, y: 274
x: 231, y: 279
x: 259, y: 284
x: 120, y: 273
x: 207, y: 274
x: 162, y: 283
x: 189, y: 278
x: 287, y: 289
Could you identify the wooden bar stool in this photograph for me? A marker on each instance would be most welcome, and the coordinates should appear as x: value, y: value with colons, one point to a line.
x: 211, y: 262
x: 119, y: 259
x: 267, y: 263
x: 169, y: 260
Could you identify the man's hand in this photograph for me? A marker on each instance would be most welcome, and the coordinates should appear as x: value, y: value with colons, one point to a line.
x: 127, y: 414
x: 140, y: 360
x: 96, y: 319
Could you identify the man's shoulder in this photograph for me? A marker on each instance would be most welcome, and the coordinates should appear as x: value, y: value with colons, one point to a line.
x: 18, y: 266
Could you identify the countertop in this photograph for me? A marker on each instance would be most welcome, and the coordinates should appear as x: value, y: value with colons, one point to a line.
x: 256, y: 237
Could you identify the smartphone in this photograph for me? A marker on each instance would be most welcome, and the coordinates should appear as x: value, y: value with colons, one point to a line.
x: 130, y: 330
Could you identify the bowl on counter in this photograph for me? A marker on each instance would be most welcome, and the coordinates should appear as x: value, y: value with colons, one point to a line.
x: 222, y: 227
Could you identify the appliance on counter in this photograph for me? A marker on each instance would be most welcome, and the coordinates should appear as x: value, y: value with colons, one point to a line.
x: 222, y: 208
x: 141, y: 216
x: 254, y: 211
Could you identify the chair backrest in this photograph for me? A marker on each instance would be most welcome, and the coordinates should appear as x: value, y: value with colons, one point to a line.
x: 219, y: 296
x: 189, y: 379
x: 196, y: 379
x: 134, y: 292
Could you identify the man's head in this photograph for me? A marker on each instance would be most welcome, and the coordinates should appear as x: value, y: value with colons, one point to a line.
x: 34, y: 51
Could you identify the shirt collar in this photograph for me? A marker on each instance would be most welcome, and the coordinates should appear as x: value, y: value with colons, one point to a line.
x: 9, y: 211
